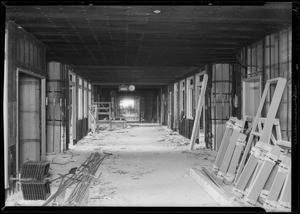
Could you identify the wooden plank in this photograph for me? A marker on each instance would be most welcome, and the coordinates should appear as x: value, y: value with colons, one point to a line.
x: 283, y: 143
x: 262, y: 176
x: 257, y: 168
x: 198, y: 112
x: 240, y: 144
x: 218, y: 194
x: 271, y: 178
x: 266, y: 133
x: 284, y: 202
x: 216, y: 181
x: 277, y: 184
x: 223, y: 146
x: 230, y: 149
x: 247, y: 172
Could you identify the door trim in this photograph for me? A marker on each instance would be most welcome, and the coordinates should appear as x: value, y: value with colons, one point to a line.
x: 43, y: 114
x: 257, y: 78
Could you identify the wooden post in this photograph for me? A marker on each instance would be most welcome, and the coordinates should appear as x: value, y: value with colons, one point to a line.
x: 198, y: 113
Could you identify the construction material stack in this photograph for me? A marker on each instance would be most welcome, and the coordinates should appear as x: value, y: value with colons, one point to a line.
x: 231, y: 148
x: 255, y: 159
x: 34, y: 186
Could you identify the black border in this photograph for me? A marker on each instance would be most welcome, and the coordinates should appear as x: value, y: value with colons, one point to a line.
x: 295, y: 115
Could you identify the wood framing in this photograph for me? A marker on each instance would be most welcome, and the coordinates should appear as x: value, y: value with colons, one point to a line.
x: 230, y: 148
x: 267, y: 130
x: 198, y: 112
x: 42, y: 113
x: 224, y: 144
x: 262, y: 175
x: 275, y: 189
x: 239, y: 146
x: 284, y: 202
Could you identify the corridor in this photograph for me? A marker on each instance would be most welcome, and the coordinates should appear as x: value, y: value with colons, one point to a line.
x: 149, y: 166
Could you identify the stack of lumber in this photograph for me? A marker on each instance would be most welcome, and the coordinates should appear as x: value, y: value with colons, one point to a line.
x: 255, y: 159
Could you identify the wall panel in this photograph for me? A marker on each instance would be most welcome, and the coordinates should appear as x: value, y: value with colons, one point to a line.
x: 276, y: 62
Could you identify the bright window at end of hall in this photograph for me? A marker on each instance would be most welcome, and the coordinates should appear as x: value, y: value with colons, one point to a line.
x: 190, y: 94
x: 127, y: 103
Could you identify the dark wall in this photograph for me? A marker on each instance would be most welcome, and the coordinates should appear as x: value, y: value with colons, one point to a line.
x: 27, y: 53
x: 82, y: 128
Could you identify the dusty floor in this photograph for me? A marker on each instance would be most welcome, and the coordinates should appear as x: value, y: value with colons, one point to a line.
x: 149, y: 166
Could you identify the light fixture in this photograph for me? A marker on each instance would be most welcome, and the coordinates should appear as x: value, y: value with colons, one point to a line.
x: 131, y: 88
x: 156, y: 11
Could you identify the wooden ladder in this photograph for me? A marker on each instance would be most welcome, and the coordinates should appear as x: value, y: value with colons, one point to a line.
x: 267, y: 130
x: 263, y: 156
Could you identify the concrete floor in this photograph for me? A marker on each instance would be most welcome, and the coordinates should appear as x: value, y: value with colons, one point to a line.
x: 149, y: 166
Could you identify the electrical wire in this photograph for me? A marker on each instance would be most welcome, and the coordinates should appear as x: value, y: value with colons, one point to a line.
x: 82, y: 179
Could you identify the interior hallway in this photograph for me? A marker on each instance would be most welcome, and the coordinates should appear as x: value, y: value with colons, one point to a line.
x: 149, y: 166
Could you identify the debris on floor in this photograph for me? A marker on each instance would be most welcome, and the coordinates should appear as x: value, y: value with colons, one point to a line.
x: 143, y: 171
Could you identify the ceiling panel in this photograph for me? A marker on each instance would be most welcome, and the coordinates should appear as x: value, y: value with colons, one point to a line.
x: 132, y: 44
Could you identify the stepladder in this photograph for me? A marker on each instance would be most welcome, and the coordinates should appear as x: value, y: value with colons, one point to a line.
x: 266, y: 131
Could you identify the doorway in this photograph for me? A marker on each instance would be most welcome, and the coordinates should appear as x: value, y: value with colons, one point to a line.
x: 129, y: 108
x: 251, y: 95
x: 31, y: 143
